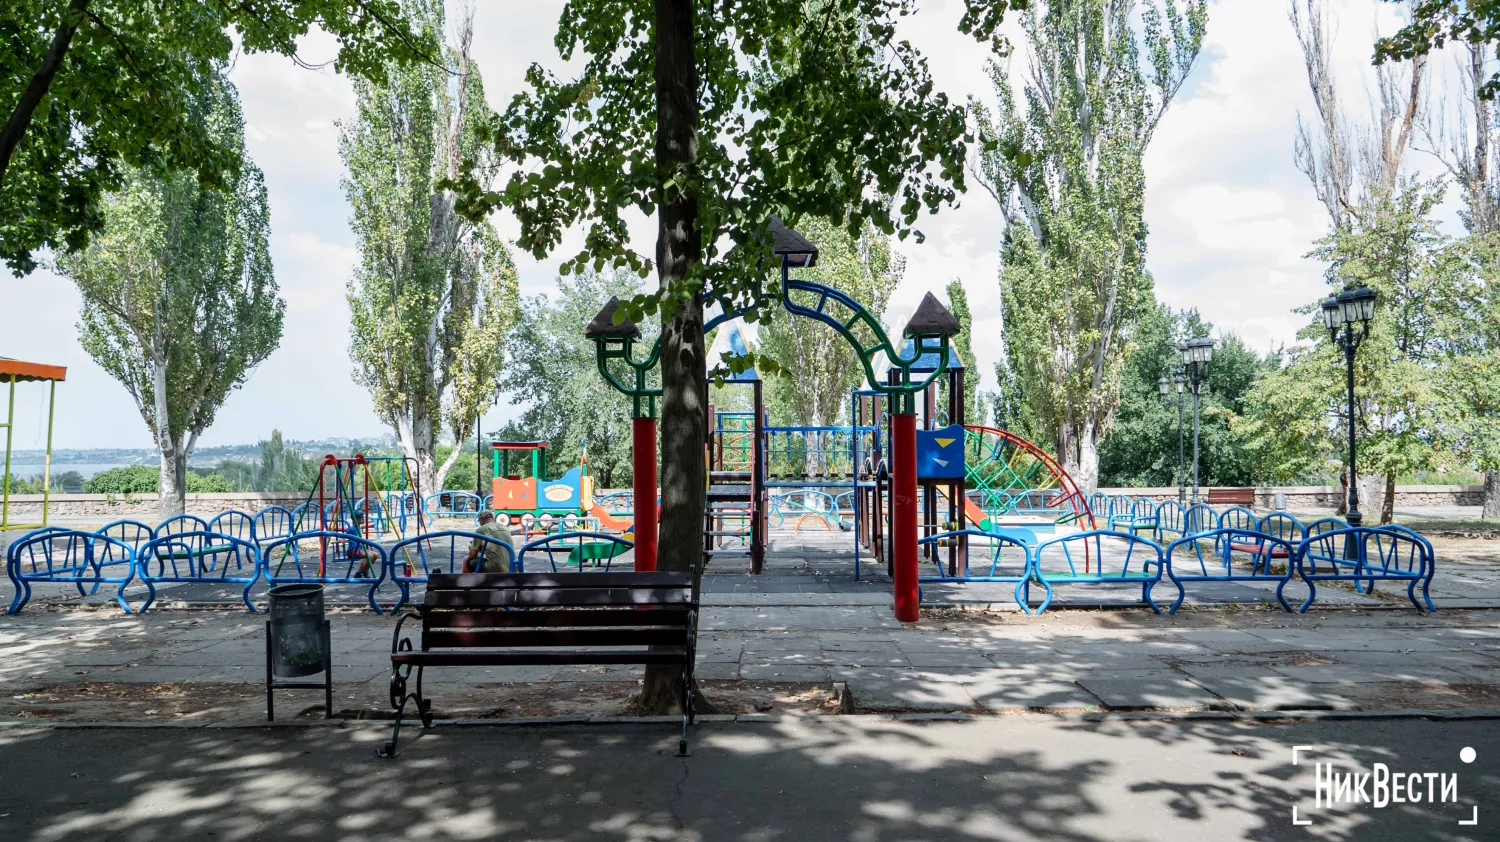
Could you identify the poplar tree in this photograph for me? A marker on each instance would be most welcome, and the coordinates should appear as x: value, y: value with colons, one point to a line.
x: 180, y: 301
x: 1061, y: 155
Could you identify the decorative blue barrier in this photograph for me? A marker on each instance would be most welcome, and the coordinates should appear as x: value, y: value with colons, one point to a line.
x: 1080, y: 558
x: 1186, y: 561
x: 1282, y: 525
x: 414, y: 559
x: 1236, y: 517
x: 325, y: 557
x: 181, y: 524
x: 463, y: 505
x: 577, y: 549
x: 271, y: 523
x: 235, y: 524
x: 199, y: 557
x: 1171, y: 519
x: 1138, y: 515
x: 1000, y: 569
x: 131, y: 533
x: 1366, y: 555
x: 1200, y: 518
x: 57, y: 555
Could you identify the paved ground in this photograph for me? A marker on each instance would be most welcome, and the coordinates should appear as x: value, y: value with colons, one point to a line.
x: 858, y: 779
x: 951, y: 661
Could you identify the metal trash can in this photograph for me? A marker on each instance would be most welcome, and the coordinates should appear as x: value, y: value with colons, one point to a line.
x: 298, y: 643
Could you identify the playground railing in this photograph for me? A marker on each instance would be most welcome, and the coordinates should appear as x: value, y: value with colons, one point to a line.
x: 1097, y: 556
x: 1187, y: 562
x: 463, y: 505
x: 199, y: 557
x: 803, y: 504
x: 235, y: 524
x: 272, y: 523
x: 1365, y: 555
x: 325, y: 557
x: 617, y: 502
x: 417, y: 558
x: 1014, y: 568
x: 1201, y: 518
x: 68, y: 556
x: 1171, y: 520
x: 180, y: 525
x: 579, y: 550
x: 1282, y: 525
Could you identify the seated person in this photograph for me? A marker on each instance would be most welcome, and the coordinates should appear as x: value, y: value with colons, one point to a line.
x: 357, y: 551
x: 491, y: 559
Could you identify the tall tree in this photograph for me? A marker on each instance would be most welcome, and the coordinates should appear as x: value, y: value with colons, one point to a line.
x: 1467, y: 140
x: 821, y: 368
x: 1433, y: 23
x: 1142, y: 447
x: 1352, y: 162
x: 553, y: 371
x: 1423, y: 279
x: 179, y: 298
x: 963, y: 343
x: 713, y: 116
x: 92, y: 88
x: 434, y: 294
x: 1065, y: 169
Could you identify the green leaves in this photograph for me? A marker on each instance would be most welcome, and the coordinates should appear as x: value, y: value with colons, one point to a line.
x: 1436, y: 22
x: 123, y: 94
x: 180, y: 300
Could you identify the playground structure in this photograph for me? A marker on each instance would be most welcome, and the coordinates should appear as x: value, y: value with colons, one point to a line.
x: 534, y: 499
x: 17, y: 371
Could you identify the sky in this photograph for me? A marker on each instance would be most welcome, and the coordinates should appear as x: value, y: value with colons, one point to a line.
x: 1230, y: 216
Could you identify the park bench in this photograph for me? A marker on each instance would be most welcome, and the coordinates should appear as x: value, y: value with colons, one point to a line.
x: 1232, y: 497
x: 546, y: 619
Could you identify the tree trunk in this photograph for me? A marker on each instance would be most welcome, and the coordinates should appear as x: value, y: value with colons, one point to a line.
x: 1388, y: 499
x: 1087, y: 476
x: 172, y: 489
x: 1491, y: 496
x: 1342, y: 509
x: 684, y: 403
x: 36, y: 89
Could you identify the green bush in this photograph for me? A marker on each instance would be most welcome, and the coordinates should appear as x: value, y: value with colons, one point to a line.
x: 135, y: 479
x: 207, y: 483
x: 144, y: 479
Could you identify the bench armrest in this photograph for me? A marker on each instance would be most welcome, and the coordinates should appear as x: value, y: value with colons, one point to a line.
x: 396, y: 632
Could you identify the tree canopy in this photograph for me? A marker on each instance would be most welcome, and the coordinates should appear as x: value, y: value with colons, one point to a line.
x: 180, y: 300
x: 94, y: 88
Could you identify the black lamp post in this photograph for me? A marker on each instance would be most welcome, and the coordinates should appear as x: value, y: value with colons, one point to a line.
x: 1165, y: 387
x: 1195, y: 356
x: 1348, y: 317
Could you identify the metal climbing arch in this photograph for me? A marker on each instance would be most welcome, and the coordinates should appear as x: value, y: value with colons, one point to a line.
x: 1008, y: 475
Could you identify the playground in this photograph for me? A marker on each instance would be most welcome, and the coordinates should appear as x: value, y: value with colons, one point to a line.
x: 868, y: 577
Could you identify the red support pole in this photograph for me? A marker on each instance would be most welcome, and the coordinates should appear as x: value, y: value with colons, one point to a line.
x: 643, y: 470
x: 904, y: 513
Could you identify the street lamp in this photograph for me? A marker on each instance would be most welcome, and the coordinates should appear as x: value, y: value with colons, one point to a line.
x: 1165, y: 386
x: 1195, y: 356
x: 1351, y: 310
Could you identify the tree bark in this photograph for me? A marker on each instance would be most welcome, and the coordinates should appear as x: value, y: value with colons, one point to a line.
x: 1491, y: 496
x: 684, y: 402
x: 1388, y: 499
x: 172, y: 488
x: 36, y: 89
x: 1088, y: 459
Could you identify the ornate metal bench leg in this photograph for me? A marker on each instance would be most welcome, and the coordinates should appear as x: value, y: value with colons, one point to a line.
x: 399, y: 698
x: 687, y: 706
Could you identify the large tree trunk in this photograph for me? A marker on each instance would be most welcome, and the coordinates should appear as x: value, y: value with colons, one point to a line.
x: 1491, y: 496
x: 684, y: 401
x: 172, y: 489
x: 1388, y: 499
x: 1088, y: 458
x: 36, y: 89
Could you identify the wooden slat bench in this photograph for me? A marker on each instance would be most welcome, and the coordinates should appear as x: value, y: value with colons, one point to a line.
x: 533, y: 619
x: 1232, y: 497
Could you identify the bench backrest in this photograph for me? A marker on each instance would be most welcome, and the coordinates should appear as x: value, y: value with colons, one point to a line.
x: 472, y: 609
x: 1232, y: 496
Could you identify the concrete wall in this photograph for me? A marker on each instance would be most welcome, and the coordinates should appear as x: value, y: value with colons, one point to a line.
x: 28, y: 507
